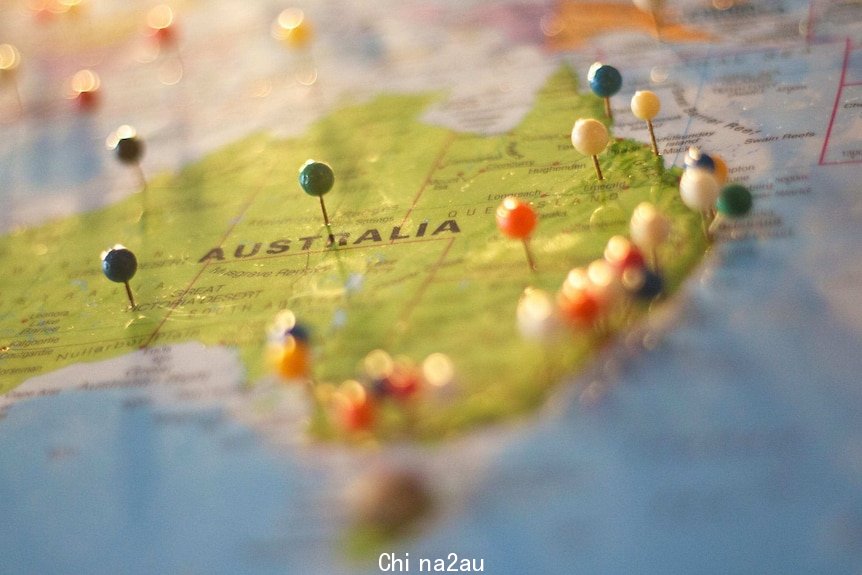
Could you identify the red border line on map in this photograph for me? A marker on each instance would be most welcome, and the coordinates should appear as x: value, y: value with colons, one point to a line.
x: 822, y: 161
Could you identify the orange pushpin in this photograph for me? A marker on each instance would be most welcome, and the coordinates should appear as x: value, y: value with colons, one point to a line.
x: 517, y: 220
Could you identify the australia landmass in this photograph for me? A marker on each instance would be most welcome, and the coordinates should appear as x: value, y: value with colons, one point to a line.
x: 418, y: 267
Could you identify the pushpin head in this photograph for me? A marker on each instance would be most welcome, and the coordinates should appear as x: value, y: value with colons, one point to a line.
x: 649, y: 227
x: 292, y: 27
x: 694, y: 158
x: 127, y: 144
x: 84, y: 89
x: 589, y: 136
x: 316, y: 178
x: 10, y: 60
x: 698, y: 190
x: 645, y: 105
x: 515, y: 218
x: 119, y: 264
x: 160, y: 21
x: 734, y: 200
x: 605, y: 81
x: 622, y: 254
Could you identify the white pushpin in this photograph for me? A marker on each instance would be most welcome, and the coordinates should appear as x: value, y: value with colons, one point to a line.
x: 649, y: 229
x: 653, y: 8
x: 590, y: 137
x: 699, y: 190
x: 537, y: 315
x: 646, y: 106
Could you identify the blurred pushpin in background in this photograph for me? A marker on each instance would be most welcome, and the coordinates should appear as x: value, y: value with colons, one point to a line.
x: 129, y: 148
x: 10, y: 61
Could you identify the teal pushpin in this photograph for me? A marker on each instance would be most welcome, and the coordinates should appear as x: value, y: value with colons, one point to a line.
x: 119, y: 265
x: 316, y: 179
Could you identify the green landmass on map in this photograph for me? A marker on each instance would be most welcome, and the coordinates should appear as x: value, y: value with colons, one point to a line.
x: 230, y: 240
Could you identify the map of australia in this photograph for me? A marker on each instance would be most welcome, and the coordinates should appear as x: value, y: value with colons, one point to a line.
x: 418, y: 266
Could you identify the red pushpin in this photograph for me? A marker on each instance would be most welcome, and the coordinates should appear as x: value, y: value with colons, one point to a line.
x: 85, y: 89
x: 517, y: 220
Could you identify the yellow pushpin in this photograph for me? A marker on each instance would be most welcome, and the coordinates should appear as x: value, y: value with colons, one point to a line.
x: 645, y: 106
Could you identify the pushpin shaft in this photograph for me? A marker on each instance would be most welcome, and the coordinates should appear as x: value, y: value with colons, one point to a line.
x: 331, y: 238
x: 129, y: 293
x: 530, y: 261
x: 652, y: 137
x: 608, y: 112
x: 598, y: 167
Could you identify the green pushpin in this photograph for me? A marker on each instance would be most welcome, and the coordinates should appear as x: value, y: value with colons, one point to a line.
x: 316, y: 179
x: 734, y: 201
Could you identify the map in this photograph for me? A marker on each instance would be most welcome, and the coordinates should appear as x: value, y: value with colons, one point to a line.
x: 714, y: 430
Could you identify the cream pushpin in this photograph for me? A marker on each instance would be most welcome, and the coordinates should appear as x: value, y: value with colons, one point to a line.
x: 10, y: 61
x: 699, y: 190
x: 590, y: 137
x: 645, y: 106
x: 649, y: 229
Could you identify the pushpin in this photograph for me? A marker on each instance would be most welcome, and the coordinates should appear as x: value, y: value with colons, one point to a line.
x: 645, y: 106
x: 293, y: 29
x: 699, y: 191
x: 537, y: 316
x: 84, y: 89
x: 643, y: 283
x: 119, y: 265
x: 720, y: 169
x: 161, y: 26
x: 162, y: 29
x: 355, y: 407
x: 649, y: 229
x: 590, y: 137
x: 516, y: 219
x: 605, y: 81
x: 734, y: 201
x: 694, y: 158
x: 288, y: 349
x: 653, y: 8
x: 622, y: 254
x: 576, y: 301
x: 129, y: 148
x: 10, y: 61
x: 316, y: 179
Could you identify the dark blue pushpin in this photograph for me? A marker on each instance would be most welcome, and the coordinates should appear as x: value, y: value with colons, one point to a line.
x: 316, y: 179
x: 605, y: 81
x: 119, y: 265
x: 651, y: 286
x: 695, y: 159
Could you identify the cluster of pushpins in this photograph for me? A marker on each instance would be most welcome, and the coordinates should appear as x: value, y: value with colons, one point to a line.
x: 704, y: 189
x: 589, y: 136
x: 590, y: 296
x: 354, y: 405
x: 84, y: 87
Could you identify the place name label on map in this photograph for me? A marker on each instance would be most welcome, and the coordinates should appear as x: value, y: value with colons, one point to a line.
x: 371, y: 235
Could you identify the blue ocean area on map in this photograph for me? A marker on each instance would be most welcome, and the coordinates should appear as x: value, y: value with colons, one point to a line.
x: 116, y: 485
